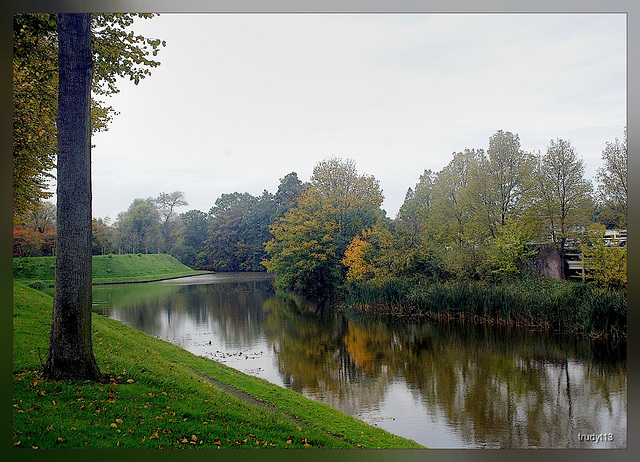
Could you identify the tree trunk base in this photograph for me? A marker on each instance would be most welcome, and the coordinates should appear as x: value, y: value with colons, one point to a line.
x: 73, y: 370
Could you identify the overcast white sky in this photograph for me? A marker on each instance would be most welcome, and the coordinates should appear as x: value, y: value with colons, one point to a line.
x: 241, y: 100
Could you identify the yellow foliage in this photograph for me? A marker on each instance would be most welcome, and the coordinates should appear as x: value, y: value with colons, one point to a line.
x: 605, y: 264
x: 358, y: 268
x: 361, y: 347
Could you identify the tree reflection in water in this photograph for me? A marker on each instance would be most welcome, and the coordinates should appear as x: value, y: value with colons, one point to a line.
x: 479, y: 385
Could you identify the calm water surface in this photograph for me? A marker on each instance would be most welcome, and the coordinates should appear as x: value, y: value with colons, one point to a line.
x: 443, y: 386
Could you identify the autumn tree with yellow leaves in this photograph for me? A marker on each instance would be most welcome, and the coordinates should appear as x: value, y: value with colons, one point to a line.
x: 311, y: 239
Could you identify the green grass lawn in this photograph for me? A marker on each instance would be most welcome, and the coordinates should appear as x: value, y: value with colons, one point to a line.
x: 161, y: 396
x: 107, y: 268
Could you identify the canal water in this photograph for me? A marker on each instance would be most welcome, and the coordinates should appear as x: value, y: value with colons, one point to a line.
x: 441, y: 385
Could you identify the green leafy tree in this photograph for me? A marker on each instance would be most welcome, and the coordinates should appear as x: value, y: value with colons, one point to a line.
x: 116, y: 52
x: 238, y: 229
x: 612, y: 188
x: 102, y: 236
x: 563, y: 194
x: 226, y: 244
x: 259, y: 220
x: 605, y: 262
x: 289, y: 191
x: 352, y: 200
x: 507, y: 255
x: 414, y: 213
x: 413, y: 233
x: 303, y: 251
x: 195, y: 224
x: 139, y: 227
x: 310, y: 240
x: 41, y: 218
x: 190, y: 248
x: 508, y: 171
x: 166, y: 203
x: 458, y: 215
x: 383, y: 254
x: 35, y: 82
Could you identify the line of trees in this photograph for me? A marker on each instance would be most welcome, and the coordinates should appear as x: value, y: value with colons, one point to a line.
x: 484, y: 216
x: 230, y: 237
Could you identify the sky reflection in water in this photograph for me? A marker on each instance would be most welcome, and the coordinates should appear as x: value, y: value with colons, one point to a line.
x: 444, y: 386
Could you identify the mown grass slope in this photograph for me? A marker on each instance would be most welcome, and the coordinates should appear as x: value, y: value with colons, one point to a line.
x: 106, y: 268
x: 160, y: 396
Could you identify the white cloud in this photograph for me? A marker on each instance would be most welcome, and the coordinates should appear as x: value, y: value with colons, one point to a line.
x: 239, y: 101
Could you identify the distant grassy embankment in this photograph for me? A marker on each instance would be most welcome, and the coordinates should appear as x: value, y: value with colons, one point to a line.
x: 161, y: 396
x: 107, y: 268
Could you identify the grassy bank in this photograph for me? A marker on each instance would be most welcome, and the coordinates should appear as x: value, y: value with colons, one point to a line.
x: 161, y: 396
x: 106, y: 268
x: 557, y: 305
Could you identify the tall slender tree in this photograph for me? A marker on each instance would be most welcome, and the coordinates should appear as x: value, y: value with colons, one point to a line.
x: 71, y: 348
x: 508, y: 167
x: 414, y: 212
x: 564, y: 195
x: 166, y: 203
x: 612, y: 184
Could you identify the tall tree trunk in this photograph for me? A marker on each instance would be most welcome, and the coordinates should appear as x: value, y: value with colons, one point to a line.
x: 71, y: 348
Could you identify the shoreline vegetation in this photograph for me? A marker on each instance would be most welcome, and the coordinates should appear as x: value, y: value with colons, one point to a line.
x: 568, y: 307
x: 161, y: 396
x: 579, y: 308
